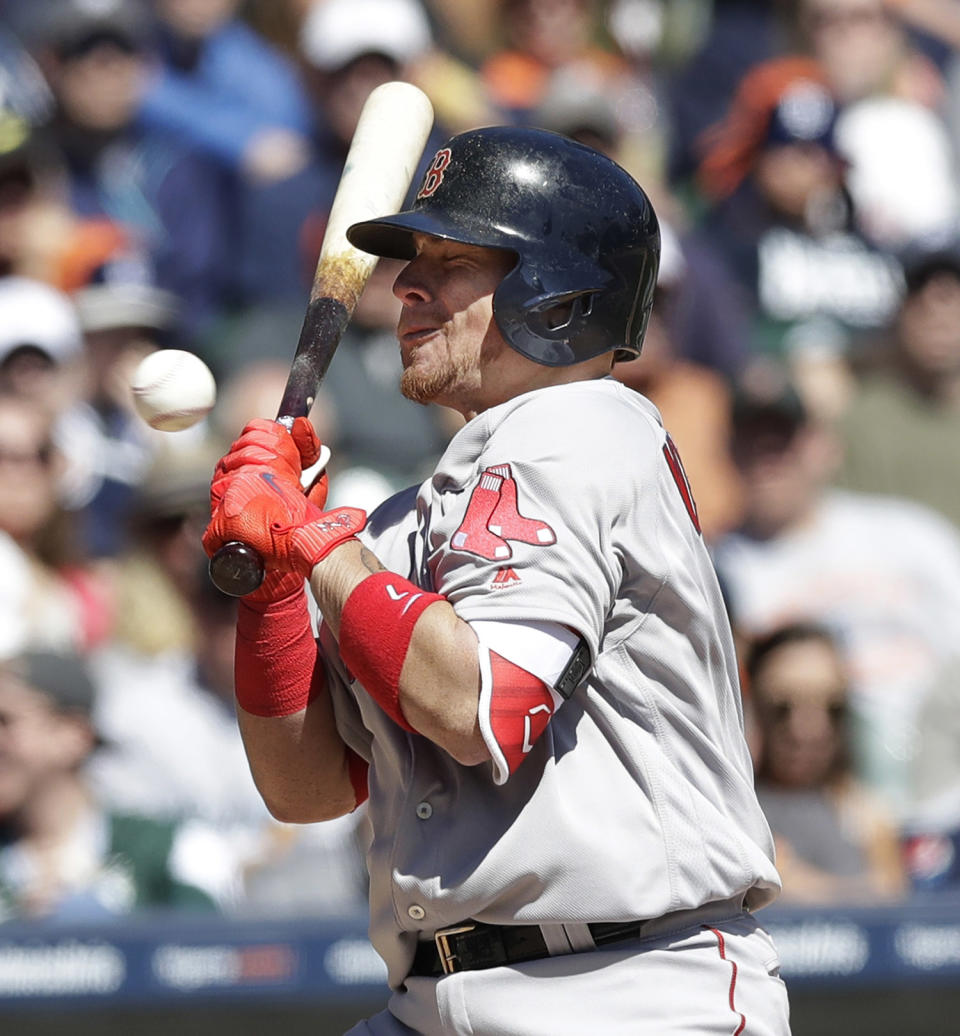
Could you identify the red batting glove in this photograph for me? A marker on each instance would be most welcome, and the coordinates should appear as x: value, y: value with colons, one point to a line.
x: 274, y: 517
x: 268, y: 444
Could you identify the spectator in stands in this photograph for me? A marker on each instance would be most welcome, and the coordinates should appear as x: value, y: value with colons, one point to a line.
x: 25, y: 171
x: 781, y: 216
x: 346, y: 49
x: 25, y: 91
x: 166, y: 706
x: 882, y: 573
x: 172, y: 727
x: 619, y: 114
x: 865, y: 50
x: 902, y: 174
x: 709, y: 317
x: 153, y: 580
x: 542, y: 37
x: 730, y: 37
x: 175, y: 753
x: 107, y: 445
x: 936, y: 769
x: 350, y: 47
x: 901, y: 170
x: 166, y: 659
x: 170, y: 198
x: 40, y: 343
x: 61, y: 855
x: 51, y: 596
x: 235, y: 98
x: 583, y: 112
x: 693, y: 400
x: 902, y: 427
x: 41, y: 237
x: 835, y: 842
x: 227, y: 90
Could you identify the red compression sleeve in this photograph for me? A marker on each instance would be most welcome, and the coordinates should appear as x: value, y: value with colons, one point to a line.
x: 277, y: 666
x: 376, y: 625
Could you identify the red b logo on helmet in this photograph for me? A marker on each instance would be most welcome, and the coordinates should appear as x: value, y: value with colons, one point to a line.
x: 434, y: 176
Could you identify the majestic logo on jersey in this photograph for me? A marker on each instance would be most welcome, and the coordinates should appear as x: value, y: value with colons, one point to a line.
x: 434, y: 175
x: 493, y: 518
x: 505, y: 577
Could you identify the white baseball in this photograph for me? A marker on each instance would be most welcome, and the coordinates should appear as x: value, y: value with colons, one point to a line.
x: 173, y: 389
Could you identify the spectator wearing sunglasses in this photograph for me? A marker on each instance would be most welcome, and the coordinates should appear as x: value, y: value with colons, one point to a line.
x: 835, y: 842
x: 881, y: 572
x: 50, y: 596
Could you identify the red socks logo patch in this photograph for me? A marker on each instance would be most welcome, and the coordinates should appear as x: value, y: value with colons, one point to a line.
x: 493, y: 518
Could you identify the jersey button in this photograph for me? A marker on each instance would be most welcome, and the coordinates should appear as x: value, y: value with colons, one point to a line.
x: 424, y: 810
x: 416, y: 912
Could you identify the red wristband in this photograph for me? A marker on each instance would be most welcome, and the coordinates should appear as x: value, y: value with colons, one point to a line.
x: 277, y: 668
x: 376, y: 625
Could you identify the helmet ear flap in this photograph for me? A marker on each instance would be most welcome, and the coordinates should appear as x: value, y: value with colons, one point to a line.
x: 638, y: 331
x: 543, y: 325
x: 562, y: 316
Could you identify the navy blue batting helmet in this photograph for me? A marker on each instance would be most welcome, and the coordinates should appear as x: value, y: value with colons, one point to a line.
x: 584, y: 232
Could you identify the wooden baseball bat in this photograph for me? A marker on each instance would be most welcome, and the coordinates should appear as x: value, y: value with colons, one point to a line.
x: 383, y: 156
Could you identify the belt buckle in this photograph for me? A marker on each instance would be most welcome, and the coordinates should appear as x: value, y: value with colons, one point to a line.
x: 448, y: 959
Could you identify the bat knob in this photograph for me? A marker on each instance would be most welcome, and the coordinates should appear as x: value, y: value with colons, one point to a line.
x: 236, y: 569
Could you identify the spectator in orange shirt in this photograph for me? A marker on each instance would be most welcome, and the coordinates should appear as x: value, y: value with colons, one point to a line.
x: 542, y: 37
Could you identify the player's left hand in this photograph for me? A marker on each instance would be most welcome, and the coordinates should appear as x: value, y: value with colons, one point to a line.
x: 272, y: 515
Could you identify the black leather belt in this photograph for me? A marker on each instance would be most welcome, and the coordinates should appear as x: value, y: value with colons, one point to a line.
x: 473, y: 945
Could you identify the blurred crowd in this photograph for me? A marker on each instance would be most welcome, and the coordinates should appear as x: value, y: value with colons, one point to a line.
x: 166, y: 167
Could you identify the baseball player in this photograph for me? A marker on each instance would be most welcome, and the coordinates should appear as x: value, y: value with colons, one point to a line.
x: 524, y: 665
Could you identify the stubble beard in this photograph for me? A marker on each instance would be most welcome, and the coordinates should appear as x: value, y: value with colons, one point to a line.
x: 425, y: 386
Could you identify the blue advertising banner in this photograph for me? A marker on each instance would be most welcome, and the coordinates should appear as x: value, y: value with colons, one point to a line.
x: 171, y: 958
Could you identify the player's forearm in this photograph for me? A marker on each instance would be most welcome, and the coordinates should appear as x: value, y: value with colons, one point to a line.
x: 439, y: 682
x: 299, y: 763
x: 284, y: 711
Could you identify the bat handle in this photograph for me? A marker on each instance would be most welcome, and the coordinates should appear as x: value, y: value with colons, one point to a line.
x: 236, y: 569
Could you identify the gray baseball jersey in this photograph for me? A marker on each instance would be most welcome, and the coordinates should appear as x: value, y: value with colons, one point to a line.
x: 565, y: 505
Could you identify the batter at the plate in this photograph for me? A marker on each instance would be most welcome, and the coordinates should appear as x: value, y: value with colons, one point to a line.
x: 524, y: 665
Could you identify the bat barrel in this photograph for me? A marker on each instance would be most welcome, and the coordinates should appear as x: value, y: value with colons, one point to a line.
x: 383, y: 155
x: 236, y: 568
x: 324, y: 323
